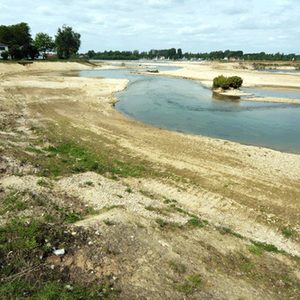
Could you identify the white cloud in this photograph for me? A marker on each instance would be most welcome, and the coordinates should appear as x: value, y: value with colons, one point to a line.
x: 193, y: 25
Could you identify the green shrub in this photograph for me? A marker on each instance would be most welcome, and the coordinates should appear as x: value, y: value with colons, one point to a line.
x: 225, y: 83
x: 4, y: 55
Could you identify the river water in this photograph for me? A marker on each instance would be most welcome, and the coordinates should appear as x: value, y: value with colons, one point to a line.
x: 186, y: 106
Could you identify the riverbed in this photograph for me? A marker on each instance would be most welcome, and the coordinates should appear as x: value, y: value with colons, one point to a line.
x: 187, y: 106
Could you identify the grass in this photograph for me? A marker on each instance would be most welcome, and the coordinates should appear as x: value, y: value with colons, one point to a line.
x: 69, y: 157
x: 128, y: 190
x: 255, y: 250
x: 177, y: 267
x: 264, y: 247
x: 156, y: 209
x: 108, y: 222
x: 167, y: 225
x: 226, y: 230
x: 191, y: 284
x: 12, y: 203
x: 24, y: 248
x: 196, y: 222
x: 287, y: 232
x: 44, y: 183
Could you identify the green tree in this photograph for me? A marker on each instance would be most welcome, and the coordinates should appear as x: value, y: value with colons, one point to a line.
x: 5, y: 55
x: 18, y: 39
x: 43, y: 42
x: 67, y: 42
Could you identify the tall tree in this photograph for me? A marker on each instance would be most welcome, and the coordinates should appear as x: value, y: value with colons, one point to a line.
x: 43, y: 42
x: 67, y: 42
x: 18, y: 39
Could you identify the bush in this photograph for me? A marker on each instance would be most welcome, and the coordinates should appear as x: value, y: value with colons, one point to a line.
x: 4, y: 55
x: 225, y: 83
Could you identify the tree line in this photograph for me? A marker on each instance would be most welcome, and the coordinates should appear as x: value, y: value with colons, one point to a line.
x: 21, y: 45
x: 174, y: 54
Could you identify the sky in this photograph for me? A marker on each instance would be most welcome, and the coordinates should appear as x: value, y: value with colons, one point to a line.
x: 193, y: 25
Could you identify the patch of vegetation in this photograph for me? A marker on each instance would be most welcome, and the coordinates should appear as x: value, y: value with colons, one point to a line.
x: 177, y: 267
x: 266, y: 247
x: 128, y: 190
x: 156, y: 209
x: 24, y: 274
x: 167, y: 225
x: 191, y: 284
x: 108, y: 222
x: 287, y: 231
x: 44, y: 183
x: 12, y: 203
x: 226, y: 83
x: 196, y: 222
x: 255, y: 250
x: 169, y: 201
x: 226, y: 230
x: 89, y: 183
x: 67, y: 157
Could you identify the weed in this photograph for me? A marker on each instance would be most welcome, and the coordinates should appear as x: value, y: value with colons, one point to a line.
x: 44, y: 183
x: 12, y: 203
x: 156, y: 209
x: 196, y: 222
x: 89, y: 183
x: 177, y: 267
x: 287, y: 231
x: 191, y: 284
x: 266, y: 247
x: 226, y: 230
x: 108, y: 222
x: 167, y: 225
x: 255, y: 250
x: 128, y: 190
x: 168, y: 201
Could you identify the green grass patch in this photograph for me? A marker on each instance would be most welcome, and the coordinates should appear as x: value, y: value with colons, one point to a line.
x: 266, y: 247
x: 255, y: 249
x: 12, y: 203
x: 196, y: 222
x: 191, y: 284
x: 287, y: 231
x: 226, y: 230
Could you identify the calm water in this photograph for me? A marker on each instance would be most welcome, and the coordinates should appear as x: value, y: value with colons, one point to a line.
x: 186, y: 106
x: 274, y: 92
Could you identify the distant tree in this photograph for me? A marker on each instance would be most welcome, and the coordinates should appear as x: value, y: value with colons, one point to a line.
x: 43, y: 42
x: 67, y: 42
x: 91, y: 53
x: 179, y: 53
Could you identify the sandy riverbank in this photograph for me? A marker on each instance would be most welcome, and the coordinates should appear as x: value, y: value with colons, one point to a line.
x: 251, y: 190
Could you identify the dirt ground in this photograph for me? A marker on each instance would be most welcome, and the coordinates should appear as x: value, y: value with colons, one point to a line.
x: 204, y: 219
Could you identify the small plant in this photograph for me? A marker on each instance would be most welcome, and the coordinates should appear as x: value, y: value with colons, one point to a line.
x: 12, y: 203
x: 44, y: 183
x: 266, y: 247
x: 128, y: 190
x: 287, y: 231
x: 226, y: 230
x: 255, y: 250
x: 191, y: 284
x: 89, y: 183
x: 108, y: 222
x: 177, y: 267
x: 196, y: 222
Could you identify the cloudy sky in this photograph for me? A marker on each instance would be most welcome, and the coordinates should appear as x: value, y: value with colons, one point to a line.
x: 193, y: 25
